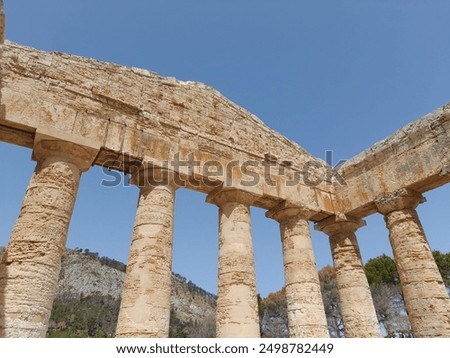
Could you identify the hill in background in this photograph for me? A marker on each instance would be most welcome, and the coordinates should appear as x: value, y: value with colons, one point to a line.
x: 88, y: 300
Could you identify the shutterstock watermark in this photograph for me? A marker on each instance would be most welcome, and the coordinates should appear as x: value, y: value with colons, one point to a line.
x: 191, y: 172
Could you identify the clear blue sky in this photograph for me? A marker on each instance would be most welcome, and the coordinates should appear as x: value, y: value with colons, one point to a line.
x: 329, y: 75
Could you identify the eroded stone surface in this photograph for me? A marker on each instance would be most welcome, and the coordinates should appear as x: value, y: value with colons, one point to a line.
x: 237, y: 305
x: 145, y: 305
x: 306, y: 313
x: 399, y: 200
x: 358, y: 311
x: 30, y: 266
x: 425, y: 295
x: 417, y: 156
x: 138, y: 114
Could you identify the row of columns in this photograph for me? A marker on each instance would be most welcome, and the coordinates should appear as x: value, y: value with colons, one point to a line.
x: 30, y: 267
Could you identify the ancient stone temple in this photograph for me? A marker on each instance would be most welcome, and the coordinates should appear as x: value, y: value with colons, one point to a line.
x: 75, y: 113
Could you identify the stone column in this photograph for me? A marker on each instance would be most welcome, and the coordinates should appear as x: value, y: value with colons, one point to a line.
x: 306, y: 314
x: 145, y: 306
x: 426, y: 298
x: 358, y: 311
x: 30, y: 266
x: 237, y: 304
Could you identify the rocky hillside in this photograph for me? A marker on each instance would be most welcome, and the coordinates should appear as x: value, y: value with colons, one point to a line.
x: 85, y: 273
x: 88, y: 299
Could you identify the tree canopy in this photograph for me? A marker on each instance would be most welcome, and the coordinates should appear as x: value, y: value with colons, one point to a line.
x: 443, y: 263
x: 381, y: 270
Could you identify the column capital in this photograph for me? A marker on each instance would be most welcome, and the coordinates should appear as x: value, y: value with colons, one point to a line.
x: 286, y: 210
x: 146, y: 175
x: 339, y: 224
x: 222, y: 195
x: 51, y: 145
x: 399, y: 200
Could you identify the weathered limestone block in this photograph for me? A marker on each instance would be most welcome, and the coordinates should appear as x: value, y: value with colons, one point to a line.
x: 30, y: 266
x: 237, y: 305
x: 145, y: 305
x: 358, y: 311
x: 306, y: 313
x: 426, y: 298
x: 135, y: 113
x: 416, y: 156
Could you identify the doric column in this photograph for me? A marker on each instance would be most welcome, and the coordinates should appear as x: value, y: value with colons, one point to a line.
x: 237, y: 305
x: 145, y: 305
x: 358, y: 311
x: 30, y: 266
x: 426, y: 298
x: 306, y: 314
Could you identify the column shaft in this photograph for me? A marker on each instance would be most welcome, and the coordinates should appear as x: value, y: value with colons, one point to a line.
x: 306, y: 313
x: 358, y: 311
x: 30, y: 266
x: 237, y: 304
x: 426, y: 297
x: 145, y: 306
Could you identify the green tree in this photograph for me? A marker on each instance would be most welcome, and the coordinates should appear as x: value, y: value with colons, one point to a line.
x: 381, y: 270
x: 443, y: 264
